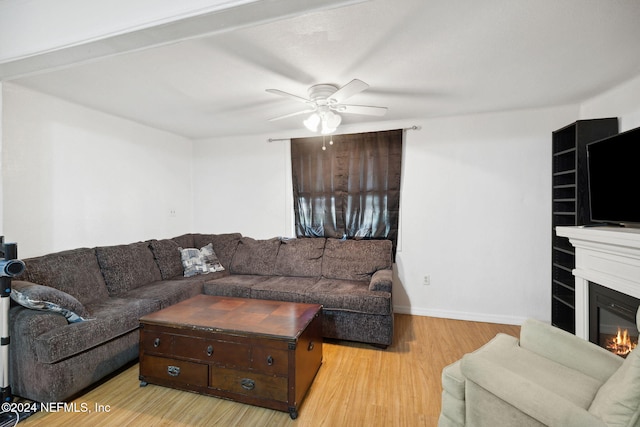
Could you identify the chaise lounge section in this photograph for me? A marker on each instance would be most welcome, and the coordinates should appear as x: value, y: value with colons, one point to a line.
x: 93, y: 298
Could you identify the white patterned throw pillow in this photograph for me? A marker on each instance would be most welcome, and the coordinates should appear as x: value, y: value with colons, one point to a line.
x: 199, y: 261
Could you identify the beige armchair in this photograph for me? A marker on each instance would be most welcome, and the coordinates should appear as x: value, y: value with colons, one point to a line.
x: 546, y: 378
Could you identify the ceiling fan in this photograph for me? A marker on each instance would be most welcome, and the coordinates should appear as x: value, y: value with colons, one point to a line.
x: 324, y: 103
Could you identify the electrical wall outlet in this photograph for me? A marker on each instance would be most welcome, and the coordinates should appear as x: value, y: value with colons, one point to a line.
x: 427, y: 280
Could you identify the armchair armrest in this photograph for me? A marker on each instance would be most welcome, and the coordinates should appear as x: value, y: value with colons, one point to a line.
x: 568, y: 350
x: 530, y: 398
x: 382, y: 280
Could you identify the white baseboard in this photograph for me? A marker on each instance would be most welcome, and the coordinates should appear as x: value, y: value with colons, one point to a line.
x: 460, y: 315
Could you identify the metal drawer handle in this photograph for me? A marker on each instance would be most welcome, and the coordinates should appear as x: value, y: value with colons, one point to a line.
x: 173, y: 371
x: 269, y: 360
x: 311, y: 345
x: 209, y: 350
x: 156, y: 342
x: 248, y: 383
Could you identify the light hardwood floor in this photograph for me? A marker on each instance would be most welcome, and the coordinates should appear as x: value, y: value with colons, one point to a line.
x: 357, y: 385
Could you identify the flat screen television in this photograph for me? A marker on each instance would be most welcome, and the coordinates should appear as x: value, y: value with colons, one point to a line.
x: 613, y: 167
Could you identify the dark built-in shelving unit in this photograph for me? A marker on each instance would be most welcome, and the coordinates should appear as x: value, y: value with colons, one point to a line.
x: 570, y: 208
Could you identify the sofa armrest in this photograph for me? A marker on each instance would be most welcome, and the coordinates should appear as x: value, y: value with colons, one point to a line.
x: 26, y: 326
x: 382, y: 280
x: 568, y: 350
x: 530, y: 398
x: 29, y: 323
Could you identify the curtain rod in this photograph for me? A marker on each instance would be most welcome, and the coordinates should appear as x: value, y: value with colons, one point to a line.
x: 287, y: 139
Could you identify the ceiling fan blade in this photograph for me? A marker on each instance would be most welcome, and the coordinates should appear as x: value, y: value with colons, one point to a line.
x: 362, y: 109
x: 297, y: 113
x: 289, y: 95
x: 348, y: 90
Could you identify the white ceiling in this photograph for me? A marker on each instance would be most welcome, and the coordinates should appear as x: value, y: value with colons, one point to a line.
x: 422, y: 58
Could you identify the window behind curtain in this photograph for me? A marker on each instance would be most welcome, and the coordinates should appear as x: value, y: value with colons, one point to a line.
x: 349, y: 190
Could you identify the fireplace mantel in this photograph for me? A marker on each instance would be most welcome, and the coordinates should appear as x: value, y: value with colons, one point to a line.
x: 608, y: 256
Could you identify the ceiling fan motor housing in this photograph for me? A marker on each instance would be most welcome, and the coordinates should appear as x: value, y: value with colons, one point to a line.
x: 321, y: 93
x: 325, y: 98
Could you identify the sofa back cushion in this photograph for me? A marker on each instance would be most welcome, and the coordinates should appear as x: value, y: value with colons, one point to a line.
x: 224, y: 245
x: 167, y: 255
x: 300, y: 257
x: 75, y: 272
x: 255, y: 257
x: 127, y: 267
x: 355, y: 259
x: 184, y: 240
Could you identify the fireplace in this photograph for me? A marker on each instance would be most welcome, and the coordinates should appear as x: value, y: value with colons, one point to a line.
x: 610, y: 258
x: 612, y: 319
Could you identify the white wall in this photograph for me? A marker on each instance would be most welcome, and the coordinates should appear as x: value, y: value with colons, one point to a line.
x: 476, y: 203
x: 243, y: 184
x: 75, y: 177
x: 622, y: 101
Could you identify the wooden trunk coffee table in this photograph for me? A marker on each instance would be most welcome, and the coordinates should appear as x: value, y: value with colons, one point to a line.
x: 264, y: 353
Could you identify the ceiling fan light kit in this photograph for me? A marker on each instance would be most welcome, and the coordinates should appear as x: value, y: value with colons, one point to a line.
x: 325, y: 100
x: 324, y: 120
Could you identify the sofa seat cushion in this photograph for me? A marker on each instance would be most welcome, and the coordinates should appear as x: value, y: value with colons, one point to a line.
x: 235, y: 285
x: 169, y: 292
x: 505, y: 352
x: 281, y: 288
x: 255, y: 257
x: 352, y: 295
x: 356, y: 259
x: 127, y: 267
x: 112, y: 317
x: 224, y: 245
x: 75, y: 272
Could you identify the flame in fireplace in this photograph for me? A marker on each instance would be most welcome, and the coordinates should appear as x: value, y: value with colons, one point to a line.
x: 621, y: 344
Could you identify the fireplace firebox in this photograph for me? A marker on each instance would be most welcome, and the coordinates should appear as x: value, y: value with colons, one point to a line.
x: 612, y: 319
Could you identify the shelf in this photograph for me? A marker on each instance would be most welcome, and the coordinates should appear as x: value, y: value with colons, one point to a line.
x: 562, y: 243
x: 566, y: 251
x: 562, y: 267
x: 562, y: 301
x: 565, y: 172
x: 560, y: 153
x: 566, y: 286
x: 570, y: 207
x: 564, y: 179
x: 565, y: 192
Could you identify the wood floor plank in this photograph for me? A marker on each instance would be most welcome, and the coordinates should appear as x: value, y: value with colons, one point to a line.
x: 357, y: 385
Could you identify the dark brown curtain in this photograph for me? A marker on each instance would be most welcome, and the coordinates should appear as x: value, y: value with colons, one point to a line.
x: 349, y: 190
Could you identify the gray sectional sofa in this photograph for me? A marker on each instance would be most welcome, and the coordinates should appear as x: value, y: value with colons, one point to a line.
x: 84, y: 323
